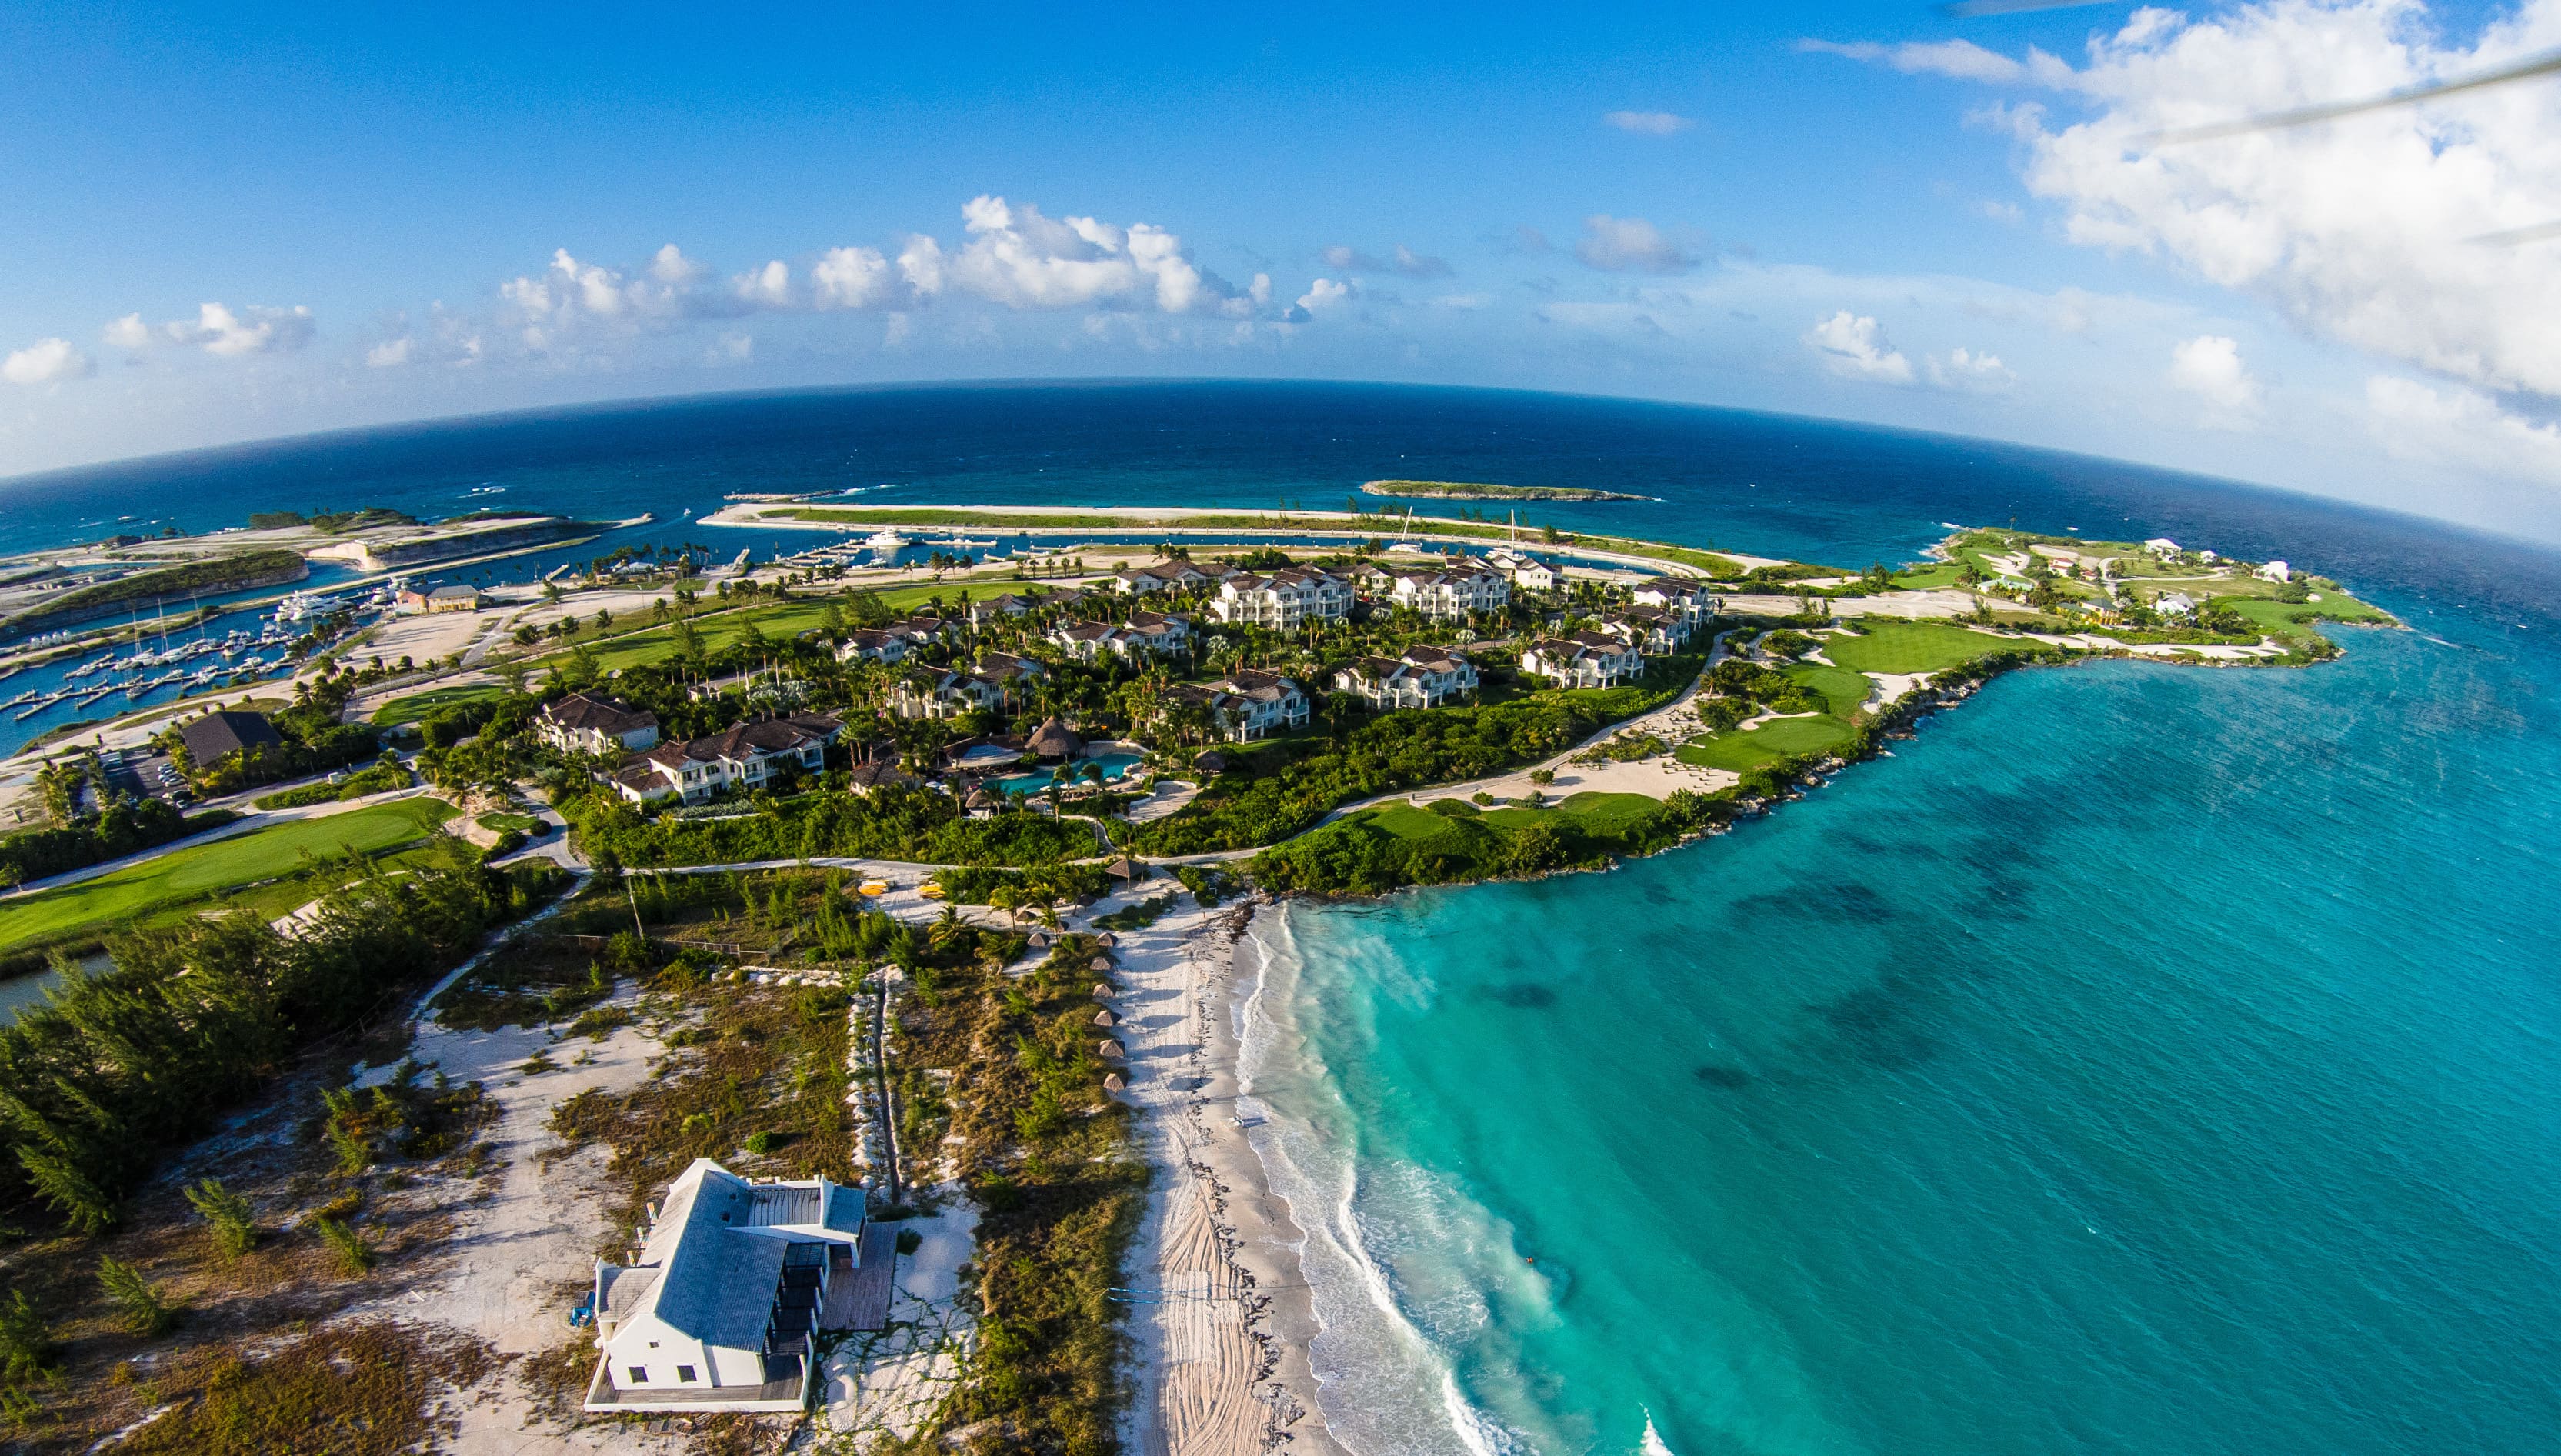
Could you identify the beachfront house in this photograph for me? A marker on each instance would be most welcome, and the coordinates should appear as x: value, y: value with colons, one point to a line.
x: 1283, y: 600
x: 747, y: 757
x: 722, y: 1300
x: 2174, y: 604
x: 1425, y: 677
x: 591, y: 722
x: 1002, y: 604
x: 874, y: 644
x: 2276, y: 572
x: 2162, y: 547
x: 1587, y: 659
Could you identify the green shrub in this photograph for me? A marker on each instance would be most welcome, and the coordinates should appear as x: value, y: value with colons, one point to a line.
x: 148, y: 1310
x: 235, y: 1228
x: 354, y: 1251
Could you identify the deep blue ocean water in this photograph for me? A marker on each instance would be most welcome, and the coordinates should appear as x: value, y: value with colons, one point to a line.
x: 2142, y: 1060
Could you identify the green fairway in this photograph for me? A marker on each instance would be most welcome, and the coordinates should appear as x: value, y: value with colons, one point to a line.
x: 2292, y: 618
x: 1892, y: 645
x: 1599, y: 812
x: 1780, y: 738
x: 198, y: 870
x: 784, y: 619
x: 1845, y: 690
x: 418, y: 705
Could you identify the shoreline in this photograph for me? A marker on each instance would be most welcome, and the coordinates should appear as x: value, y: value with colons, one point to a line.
x: 1224, y: 1318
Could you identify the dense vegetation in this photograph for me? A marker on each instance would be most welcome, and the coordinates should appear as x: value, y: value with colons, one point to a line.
x: 195, y: 1016
x: 1453, y: 841
x: 143, y: 589
x: 889, y: 824
x: 315, y: 742
x: 382, y: 778
x: 124, y: 826
x: 1286, y: 788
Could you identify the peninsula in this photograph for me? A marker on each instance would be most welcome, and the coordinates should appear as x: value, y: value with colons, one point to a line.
x: 1470, y: 490
x: 886, y: 894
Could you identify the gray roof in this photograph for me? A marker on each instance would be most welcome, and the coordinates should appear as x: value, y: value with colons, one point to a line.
x: 719, y: 1244
x: 215, y: 734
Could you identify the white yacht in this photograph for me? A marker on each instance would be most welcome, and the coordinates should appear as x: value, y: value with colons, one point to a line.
x: 886, y: 539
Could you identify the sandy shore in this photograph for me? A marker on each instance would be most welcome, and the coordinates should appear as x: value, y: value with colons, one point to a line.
x: 1223, y: 1317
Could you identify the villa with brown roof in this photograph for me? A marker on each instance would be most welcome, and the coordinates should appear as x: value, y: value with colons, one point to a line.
x: 747, y: 757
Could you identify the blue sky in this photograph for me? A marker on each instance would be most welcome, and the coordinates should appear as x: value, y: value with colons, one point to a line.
x: 283, y: 218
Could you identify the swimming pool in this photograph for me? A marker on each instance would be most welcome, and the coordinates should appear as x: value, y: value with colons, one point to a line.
x: 1114, y: 766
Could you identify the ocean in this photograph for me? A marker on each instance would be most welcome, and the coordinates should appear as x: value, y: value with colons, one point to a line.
x: 2140, y: 1059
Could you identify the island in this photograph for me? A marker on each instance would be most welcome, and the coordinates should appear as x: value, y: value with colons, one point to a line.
x: 1471, y: 490
x: 846, y: 895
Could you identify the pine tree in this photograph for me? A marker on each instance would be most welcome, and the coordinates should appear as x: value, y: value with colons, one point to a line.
x: 235, y: 1228
x: 148, y: 1310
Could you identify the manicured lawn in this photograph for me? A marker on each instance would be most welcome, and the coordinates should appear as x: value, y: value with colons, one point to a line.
x: 786, y: 620
x: 1777, y: 739
x: 202, y: 870
x: 1892, y: 645
x: 501, y: 822
x: 418, y: 705
x: 1845, y: 690
x: 2279, y: 617
x: 1599, y: 813
x: 1937, y: 573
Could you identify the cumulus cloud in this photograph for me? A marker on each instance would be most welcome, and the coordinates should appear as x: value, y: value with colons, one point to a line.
x: 1963, y: 60
x: 1855, y: 348
x: 389, y: 353
x: 225, y: 333
x: 1967, y: 368
x: 1630, y: 246
x: 854, y: 277
x: 2209, y: 367
x: 1017, y: 256
x: 731, y: 347
x: 1647, y: 123
x: 766, y: 287
x: 1405, y: 263
x: 669, y: 266
x: 1322, y: 297
x: 2353, y: 228
x: 128, y: 332
x: 45, y: 362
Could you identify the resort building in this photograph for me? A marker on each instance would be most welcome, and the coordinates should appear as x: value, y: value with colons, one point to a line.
x: 2161, y: 547
x: 2174, y: 604
x: 874, y: 644
x: 2276, y: 572
x: 1526, y: 572
x: 1168, y: 575
x: 878, y: 773
x: 1651, y: 630
x: 729, y: 1284
x: 1588, y: 659
x: 589, y: 723
x: 1450, y: 592
x: 1676, y: 595
x: 1148, y: 632
x: 216, y: 735
x: 1248, y: 704
x: 1283, y: 600
x: 1425, y: 677
x: 1162, y: 633
x: 1009, y: 674
x: 939, y: 691
x: 412, y: 601
x: 1088, y: 641
x: 1003, y: 604
x: 747, y: 757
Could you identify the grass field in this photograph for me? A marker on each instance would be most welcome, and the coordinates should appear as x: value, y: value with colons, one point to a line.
x: 418, y: 705
x: 201, y: 871
x: 1779, y: 738
x: 1599, y: 813
x: 1893, y: 645
x: 1845, y: 690
x: 784, y: 619
x: 504, y: 822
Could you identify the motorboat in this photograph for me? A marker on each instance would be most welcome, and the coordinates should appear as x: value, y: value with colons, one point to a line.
x: 886, y: 539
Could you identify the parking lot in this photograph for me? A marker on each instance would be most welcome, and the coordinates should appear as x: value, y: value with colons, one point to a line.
x: 144, y: 772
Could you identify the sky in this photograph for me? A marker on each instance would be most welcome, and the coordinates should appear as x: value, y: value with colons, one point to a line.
x: 220, y: 224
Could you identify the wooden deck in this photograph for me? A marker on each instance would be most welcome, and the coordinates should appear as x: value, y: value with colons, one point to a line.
x: 858, y: 1295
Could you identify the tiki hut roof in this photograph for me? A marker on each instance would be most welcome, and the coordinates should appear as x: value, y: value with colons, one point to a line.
x: 1053, y: 739
x: 1102, y: 990
x: 1115, y: 1082
x: 1212, y: 761
x: 1101, y: 963
x: 1108, y: 1049
x: 980, y: 799
x: 1105, y: 1018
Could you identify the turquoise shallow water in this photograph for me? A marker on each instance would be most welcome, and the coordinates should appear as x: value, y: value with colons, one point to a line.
x: 2143, y: 1059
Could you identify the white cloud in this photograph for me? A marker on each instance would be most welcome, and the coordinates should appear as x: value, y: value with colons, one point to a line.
x: 1855, y: 348
x: 853, y: 278
x: 1023, y: 259
x: 128, y: 332
x: 1967, y: 368
x: 228, y: 335
x: 730, y: 349
x: 2003, y: 212
x: 1630, y: 246
x: 1963, y: 60
x: 669, y: 266
x: 920, y: 263
x: 389, y: 353
x: 1322, y: 297
x: 2417, y: 422
x: 45, y: 362
x: 2353, y: 228
x: 1648, y: 124
x: 2209, y: 367
x: 766, y: 287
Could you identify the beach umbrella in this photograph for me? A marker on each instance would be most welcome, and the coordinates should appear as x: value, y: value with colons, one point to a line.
x: 1105, y: 939
x: 1105, y: 1018
x: 1101, y: 963
x: 1115, y: 1082
x: 1102, y: 990
x: 1109, y: 1051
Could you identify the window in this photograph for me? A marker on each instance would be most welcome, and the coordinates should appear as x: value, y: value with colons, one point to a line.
x: 640, y: 1373
x: 685, y: 1373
